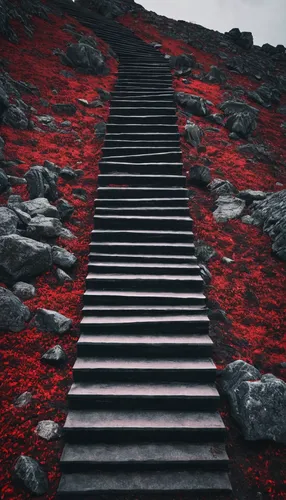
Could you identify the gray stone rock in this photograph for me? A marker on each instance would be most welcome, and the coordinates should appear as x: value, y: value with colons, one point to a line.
x: 85, y: 57
x: 33, y: 258
x: 228, y: 207
x: 249, y: 196
x: 231, y: 107
x: 100, y: 130
x: 63, y: 258
x: 64, y: 109
x: 23, y: 217
x: 4, y: 181
x: 247, y: 219
x: 13, y: 314
x: 44, y: 227
x: 15, y: 117
x: 16, y: 181
x: 39, y: 206
x: 14, y: 200
x: 222, y: 187
x: 55, y: 356
x: 66, y: 234
x: 242, y: 38
x: 215, y: 75
x: 103, y: 94
x: 50, y: 321
x: 62, y: 276
x: 8, y: 221
x: 216, y: 118
x: 242, y: 124
x: 232, y: 376
x: 192, y: 103
x: 193, y: 134
x: 68, y: 173
x: 204, y: 252
x: 65, y: 209
x: 42, y: 183
x: 205, y: 273
x: 24, y: 291
x: 183, y: 62
x: 23, y: 400
x: 200, y: 175
x: 49, y: 430
x: 29, y: 473
x: 80, y: 193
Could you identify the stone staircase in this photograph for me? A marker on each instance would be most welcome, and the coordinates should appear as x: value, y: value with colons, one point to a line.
x: 143, y: 413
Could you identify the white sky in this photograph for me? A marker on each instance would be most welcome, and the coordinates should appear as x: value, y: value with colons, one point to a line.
x: 266, y: 19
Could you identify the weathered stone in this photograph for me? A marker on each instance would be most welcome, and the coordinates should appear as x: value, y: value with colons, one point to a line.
x: 62, y: 276
x: 228, y: 207
x: 200, y: 175
x: 193, y: 134
x: 49, y: 430
x: 215, y: 118
x: 68, y: 173
x: 29, y: 473
x: 4, y: 101
x: 85, y: 57
x: 13, y: 314
x: 64, y: 109
x: 41, y: 183
x: 23, y: 400
x: 16, y: 181
x: 242, y: 38
x: 24, y: 291
x: 4, y: 181
x: 8, y: 221
x: 100, y: 130
x: 192, y: 103
x: 222, y: 187
x: 44, y: 227
x: 205, y: 273
x: 66, y: 234
x: 215, y: 75
x: 63, y: 258
x: 15, y: 117
x: 183, y: 62
x: 50, y: 321
x: 80, y: 193
x: 204, y: 252
x: 55, y: 356
x: 23, y: 217
x: 33, y: 258
x: 242, y: 124
x: 231, y: 107
x: 232, y: 376
x: 65, y: 209
x: 39, y: 206
x: 249, y: 196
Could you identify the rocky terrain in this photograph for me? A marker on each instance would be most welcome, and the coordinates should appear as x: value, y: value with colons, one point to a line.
x: 55, y: 81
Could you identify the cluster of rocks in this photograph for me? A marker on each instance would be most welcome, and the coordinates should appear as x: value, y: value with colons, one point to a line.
x: 258, y: 402
x: 22, y: 11
x: 85, y: 57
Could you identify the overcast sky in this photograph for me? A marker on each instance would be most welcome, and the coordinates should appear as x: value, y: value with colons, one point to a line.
x: 266, y: 19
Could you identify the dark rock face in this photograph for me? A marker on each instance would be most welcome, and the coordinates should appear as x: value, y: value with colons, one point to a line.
x: 183, y: 62
x: 63, y: 258
x: 33, y: 258
x: 85, y: 57
x: 265, y: 95
x: 215, y: 75
x: 194, y: 104
x: 62, y: 276
x: 68, y: 173
x: 15, y: 117
x: 200, y: 175
x: 100, y: 129
x: 13, y: 314
x: 228, y: 207
x: 65, y: 209
x: 231, y: 107
x: 64, y: 109
x: 39, y: 206
x: 270, y: 214
x: 242, y: 124
x: 193, y: 134
x: 29, y: 473
x: 249, y: 196
x: 41, y: 183
x: 49, y: 430
x: 242, y: 38
x: 258, y: 403
x: 24, y: 291
x: 204, y: 252
x: 221, y: 187
x: 113, y: 8
x: 55, y: 356
x: 8, y: 221
x: 51, y: 321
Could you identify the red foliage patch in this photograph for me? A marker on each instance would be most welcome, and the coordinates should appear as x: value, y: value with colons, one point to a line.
x: 33, y: 61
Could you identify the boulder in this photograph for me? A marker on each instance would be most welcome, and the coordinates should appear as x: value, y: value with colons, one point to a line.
x: 68, y: 173
x: 104, y: 95
x: 23, y: 400
x: 23, y: 217
x: 228, y: 207
x: 55, y: 356
x: 200, y: 175
x: 205, y: 273
x: 222, y: 187
x: 65, y: 209
x: 216, y: 118
x: 39, y: 206
x: 204, y: 252
x: 42, y: 183
x: 22, y: 258
x: 50, y: 321
x: 249, y: 195
x: 15, y: 117
x: 62, y: 276
x: 232, y: 376
x: 242, y: 124
x: 64, y: 109
x: 24, y: 291
x: 215, y: 75
x: 44, y: 227
x: 192, y: 103
x: 63, y: 258
x: 8, y: 221
x: 193, y: 134
x: 86, y: 58
x: 231, y: 107
x: 242, y: 38
x: 49, y: 430
x: 13, y: 314
x: 4, y: 181
x: 29, y: 474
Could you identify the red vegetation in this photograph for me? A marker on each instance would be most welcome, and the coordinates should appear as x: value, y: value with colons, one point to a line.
x: 251, y: 289
x: 33, y: 61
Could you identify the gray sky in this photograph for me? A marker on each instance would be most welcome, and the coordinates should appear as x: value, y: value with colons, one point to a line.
x: 266, y: 19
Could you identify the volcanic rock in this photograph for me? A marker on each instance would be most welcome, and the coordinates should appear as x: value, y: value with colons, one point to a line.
x: 24, y: 291
x: 29, y: 473
x: 215, y: 75
x: 204, y: 252
x: 55, y: 356
x: 183, y: 62
x: 33, y: 258
x: 222, y: 187
x: 242, y: 38
x: 49, y: 430
x: 8, y: 221
x: 62, y: 276
x: 63, y: 258
x: 85, y: 57
x: 13, y: 314
x: 23, y: 400
x: 231, y: 107
x: 4, y: 100
x: 228, y: 207
x: 39, y: 206
x: 193, y: 134
x: 242, y: 124
x: 68, y: 173
x: 192, y: 103
x: 249, y: 195
x: 50, y: 321
x: 44, y: 227
x: 42, y: 183
x: 15, y: 117
x: 100, y: 129
x: 205, y: 273
x: 65, y: 209
x: 200, y: 175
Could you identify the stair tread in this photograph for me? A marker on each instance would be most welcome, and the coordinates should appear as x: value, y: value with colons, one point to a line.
x: 144, y: 265
x: 143, y: 364
x: 171, y: 295
x: 158, y: 340
x: 145, y: 308
x: 124, y: 320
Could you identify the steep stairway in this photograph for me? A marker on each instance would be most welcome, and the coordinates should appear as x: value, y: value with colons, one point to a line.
x: 143, y: 408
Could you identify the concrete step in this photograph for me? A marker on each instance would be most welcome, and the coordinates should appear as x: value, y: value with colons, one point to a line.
x: 133, y: 180
x: 133, y: 370
x: 143, y: 299
x: 148, y: 103
x: 143, y: 456
x: 81, y: 486
x: 145, y: 211
x: 95, y: 266
x: 146, y: 223
x: 143, y: 258
x: 171, y: 145
x: 148, y: 345
x: 143, y: 136
x: 150, y: 310
x: 112, y: 165
x: 133, y: 425
x: 143, y: 120
x: 140, y: 128
x: 143, y: 396
x: 123, y: 235
x: 141, y: 192
x: 137, y: 150
x: 143, y: 111
x: 123, y: 247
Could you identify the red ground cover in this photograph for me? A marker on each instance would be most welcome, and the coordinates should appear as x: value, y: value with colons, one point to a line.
x: 252, y: 289
x: 33, y: 61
